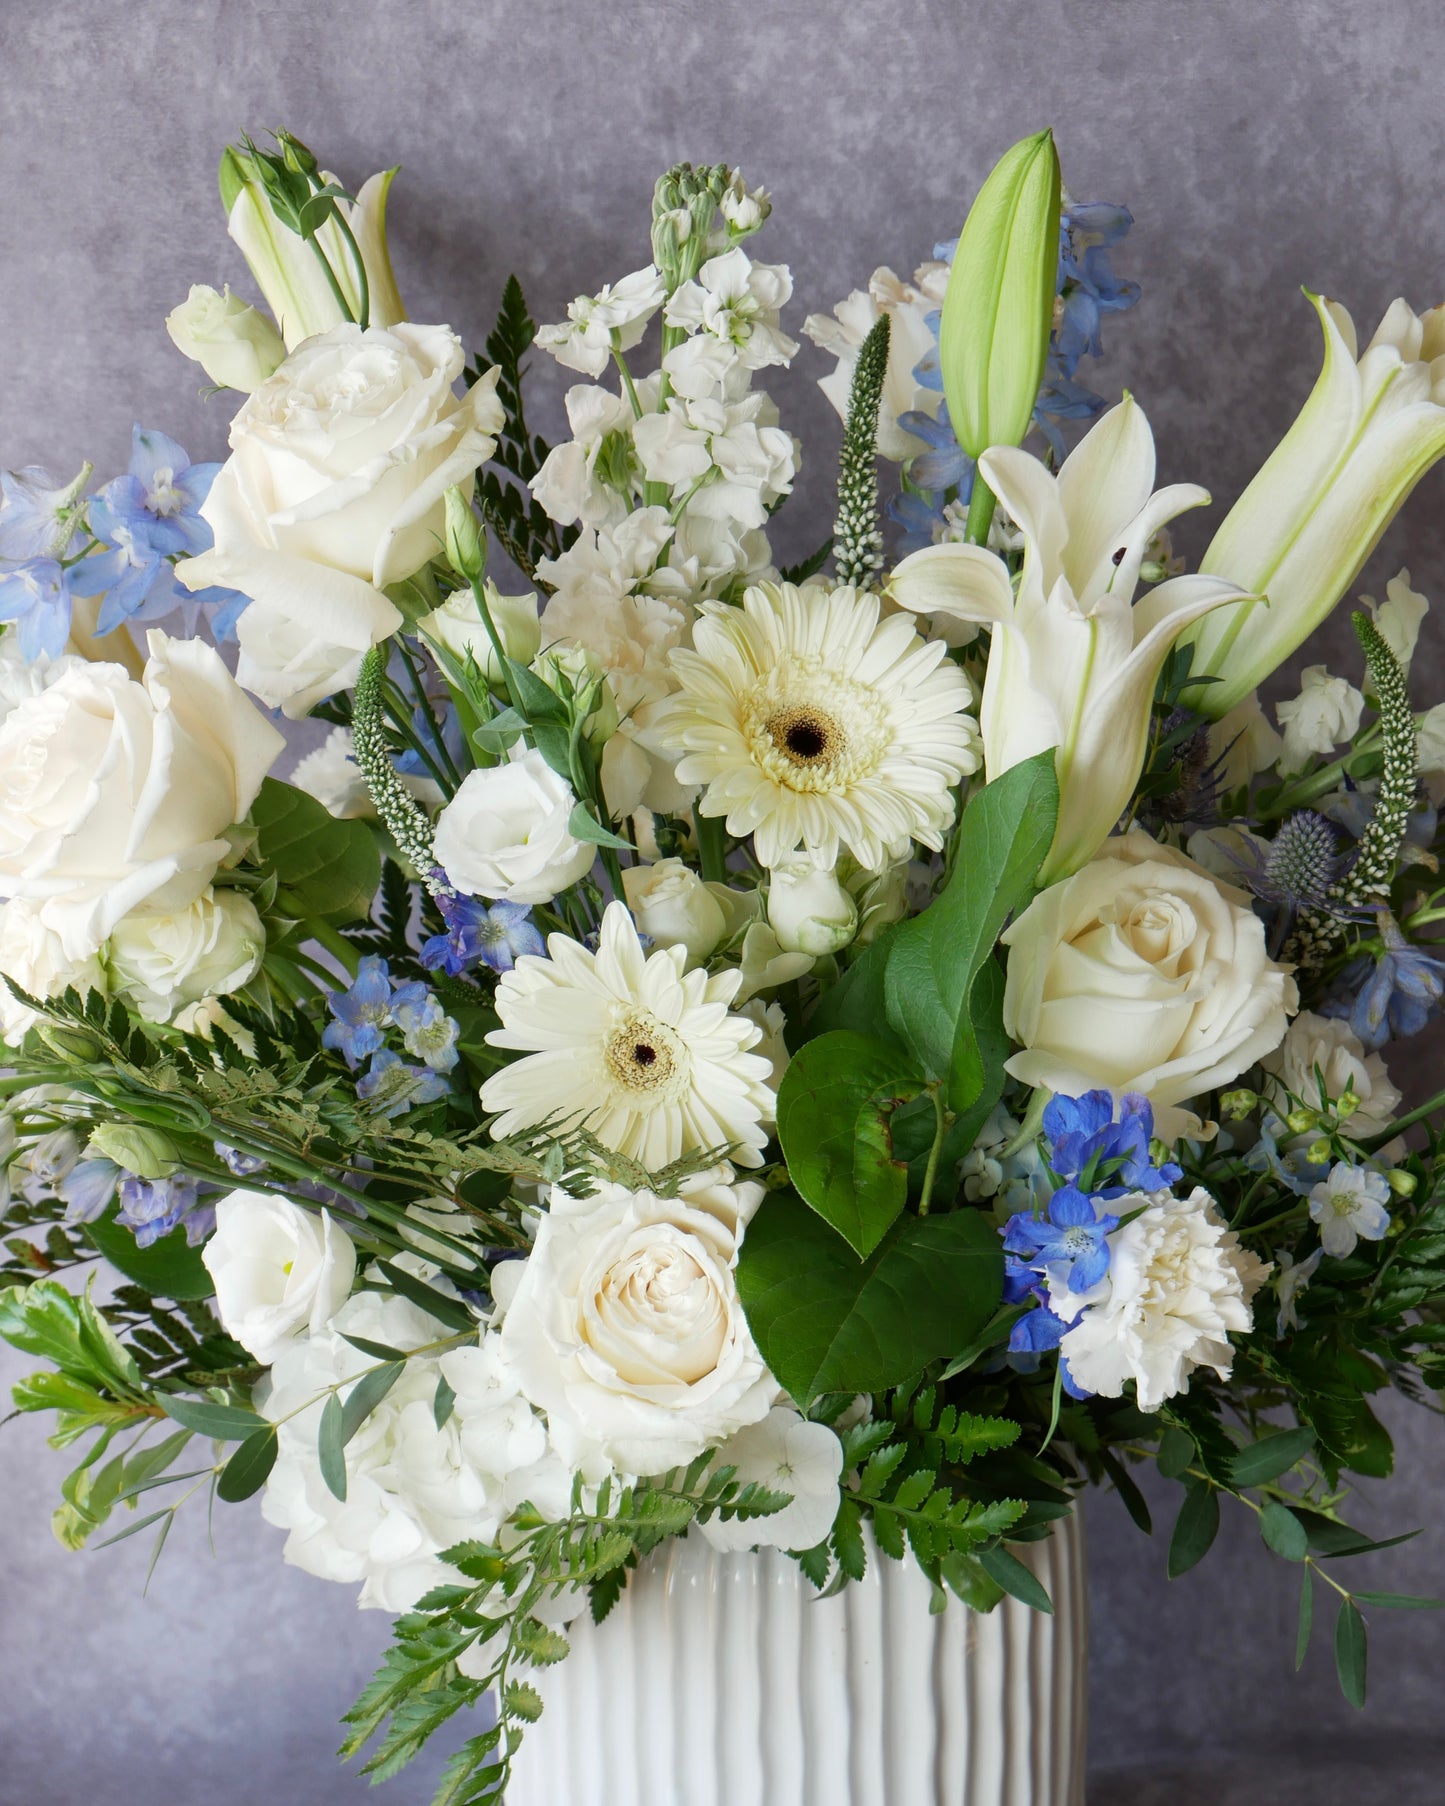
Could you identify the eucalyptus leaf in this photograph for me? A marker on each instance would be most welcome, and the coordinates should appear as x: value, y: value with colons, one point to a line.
x: 331, y: 1449
x: 1009, y: 1572
x: 1351, y: 1651
x: 222, y: 1423
x: 249, y: 1468
x: 1194, y: 1529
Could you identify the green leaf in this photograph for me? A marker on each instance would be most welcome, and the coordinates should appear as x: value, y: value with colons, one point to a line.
x: 1007, y: 1571
x: 331, y: 1447
x: 1306, y: 1619
x: 833, y: 1116
x: 366, y: 1395
x: 521, y: 1700
x: 1194, y: 1529
x: 1176, y: 1451
x: 222, y: 1423
x: 330, y: 868
x: 582, y: 824
x: 249, y: 1468
x: 169, y: 1268
x: 1134, y: 1501
x: 1400, y: 1602
x: 1270, y: 1457
x: 1350, y: 1653
x: 966, y: 1577
x: 1283, y: 1531
x: 444, y: 1402
x: 827, y: 1322
x: 379, y: 1351
x: 449, y: 1311
x: 64, y: 1327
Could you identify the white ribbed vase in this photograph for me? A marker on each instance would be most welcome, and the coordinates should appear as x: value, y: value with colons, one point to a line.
x: 723, y: 1680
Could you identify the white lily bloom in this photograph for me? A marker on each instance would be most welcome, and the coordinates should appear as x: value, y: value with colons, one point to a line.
x: 1073, y: 661
x: 1372, y: 427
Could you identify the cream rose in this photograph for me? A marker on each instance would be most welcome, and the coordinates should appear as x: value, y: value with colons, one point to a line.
x: 116, y: 793
x: 504, y: 834
x: 161, y: 962
x: 33, y: 956
x: 624, y: 1325
x: 233, y: 342
x: 335, y: 488
x: 280, y: 1271
x: 674, y: 908
x: 1142, y: 973
x: 1331, y: 1048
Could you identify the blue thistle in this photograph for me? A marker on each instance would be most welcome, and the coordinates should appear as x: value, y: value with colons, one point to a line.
x: 1303, y: 864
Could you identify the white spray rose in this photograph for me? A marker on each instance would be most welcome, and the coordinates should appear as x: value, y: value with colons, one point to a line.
x: 809, y: 910
x: 504, y: 834
x: 280, y: 1271
x: 1326, y: 712
x: 458, y: 627
x: 674, y: 908
x: 35, y: 957
x: 1325, y: 1045
x: 1178, y: 1284
x: 784, y: 1453
x: 160, y: 962
x: 335, y: 488
x: 625, y: 1326
x: 115, y: 793
x: 233, y: 342
x: 1142, y: 973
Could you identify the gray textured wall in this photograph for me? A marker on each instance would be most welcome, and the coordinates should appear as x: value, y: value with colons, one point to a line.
x: 1261, y: 146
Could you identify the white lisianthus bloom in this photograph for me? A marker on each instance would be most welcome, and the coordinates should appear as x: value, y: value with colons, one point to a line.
x: 738, y: 303
x: 1179, y: 1284
x: 458, y: 627
x: 569, y: 485
x: 841, y: 334
x: 674, y: 908
x: 813, y: 725
x: 1073, y: 660
x: 504, y: 834
x: 335, y: 488
x: 34, y: 956
x: 280, y: 1271
x: 116, y: 793
x: 233, y: 342
x: 1399, y: 617
x: 159, y: 962
x: 617, y: 317
x: 1329, y: 1048
x: 1243, y: 744
x: 642, y: 1050
x: 1298, y: 536
x: 809, y: 910
x: 784, y: 1453
x: 1350, y: 1207
x: 1142, y: 973
x: 625, y: 1327
x: 1326, y: 712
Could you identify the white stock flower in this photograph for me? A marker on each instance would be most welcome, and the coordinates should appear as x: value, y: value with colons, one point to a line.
x: 730, y: 462
x: 1178, y: 1285
x: 640, y: 1048
x: 674, y: 908
x: 160, y: 962
x: 604, y: 564
x: 1399, y: 617
x: 626, y: 1328
x: 505, y: 835
x: 809, y: 910
x: 813, y: 725
x: 1073, y: 659
x: 1350, y: 1206
x: 1243, y: 743
x: 1329, y: 1048
x: 784, y: 1453
x: 115, y: 793
x: 233, y: 342
x: 841, y: 334
x: 34, y: 956
x: 1326, y: 712
x: 280, y: 1272
x: 568, y: 485
x: 335, y: 488
x: 736, y: 302
x: 595, y: 324
x: 1142, y: 973
x: 457, y: 626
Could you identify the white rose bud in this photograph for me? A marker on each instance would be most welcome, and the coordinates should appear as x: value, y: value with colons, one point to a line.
x: 457, y: 626
x: 280, y: 1272
x: 809, y: 910
x: 233, y: 342
x: 160, y: 963
x: 505, y: 835
x: 674, y: 908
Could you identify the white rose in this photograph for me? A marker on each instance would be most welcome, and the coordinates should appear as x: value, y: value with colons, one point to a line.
x: 1178, y: 1284
x: 810, y: 911
x: 626, y: 1329
x: 457, y: 626
x: 784, y: 1453
x: 233, y: 342
x: 115, y: 793
x: 504, y: 834
x: 674, y: 908
x: 161, y: 962
x: 280, y: 1271
x: 335, y: 488
x: 1326, y: 712
x: 204, y: 1018
x: 34, y: 956
x: 1142, y: 973
x: 1324, y: 1044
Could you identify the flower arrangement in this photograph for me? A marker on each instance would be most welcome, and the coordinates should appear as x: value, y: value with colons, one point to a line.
x: 833, y: 1058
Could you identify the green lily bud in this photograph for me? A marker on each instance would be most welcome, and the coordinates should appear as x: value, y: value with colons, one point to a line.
x: 999, y: 308
x: 466, y: 546
x: 147, y: 1153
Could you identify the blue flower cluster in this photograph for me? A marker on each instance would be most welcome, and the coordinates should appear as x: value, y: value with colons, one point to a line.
x: 154, y: 1207
x: 1390, y: 997
x: 361, y: 1017
x: 477, y: 934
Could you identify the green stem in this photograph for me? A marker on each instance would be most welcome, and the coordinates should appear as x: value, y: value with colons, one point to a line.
x: 942, y: 1120
x: 338, y: 294
x: 627, y: 382
x: 711, y: 846
x: 362, y: 285
x: 981, y: 505
x: 424, y: 702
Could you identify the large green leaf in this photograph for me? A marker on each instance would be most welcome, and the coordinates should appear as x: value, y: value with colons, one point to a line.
x: 65, y: 1328
x: 834, y: 1109
x: 331, y: 868
x: 169, y: 1268
x: 827, y: 1322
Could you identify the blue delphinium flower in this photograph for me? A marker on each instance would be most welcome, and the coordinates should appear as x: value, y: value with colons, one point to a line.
x: 1392, y: 996
x: 427, y: 1031
x: 361, y: 1013
x: 36, y: 595
x: 1289, y: 1166
x: 154, y: 1207
x: 392, y: 1087
x: 495, y: 936
x: 38, y: 515
x: 242, y: 1165
x: 1069, y: 1244
x: 946, y: 465
x: 88, y: 1189
x: 1106, y: 1157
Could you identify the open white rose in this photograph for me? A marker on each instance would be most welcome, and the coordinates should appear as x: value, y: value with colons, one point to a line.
x: 1324, y: 1045
x: 504, y: 834
x: 161, y: 961
x: 233, y: 342
x: 116, y: 793
x: 625, y: 1327
x: 784, y: 1453
x: 335, y: 488
x: 674, y: 908
x: 279, y: 1271
x: 1142, y: 973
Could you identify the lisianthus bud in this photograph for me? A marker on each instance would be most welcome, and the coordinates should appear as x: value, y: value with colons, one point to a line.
x: 233, y: 342
x: 809, y: 910
x: 147, y: 1153
x: 466, y: 544
x: 458, y: 626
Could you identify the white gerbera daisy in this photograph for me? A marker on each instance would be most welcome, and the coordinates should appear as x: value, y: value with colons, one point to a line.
x: 813, y: 724
x: 646, y: 1052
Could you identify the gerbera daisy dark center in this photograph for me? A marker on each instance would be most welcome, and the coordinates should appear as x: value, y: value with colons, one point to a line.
x: 806, y: 736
